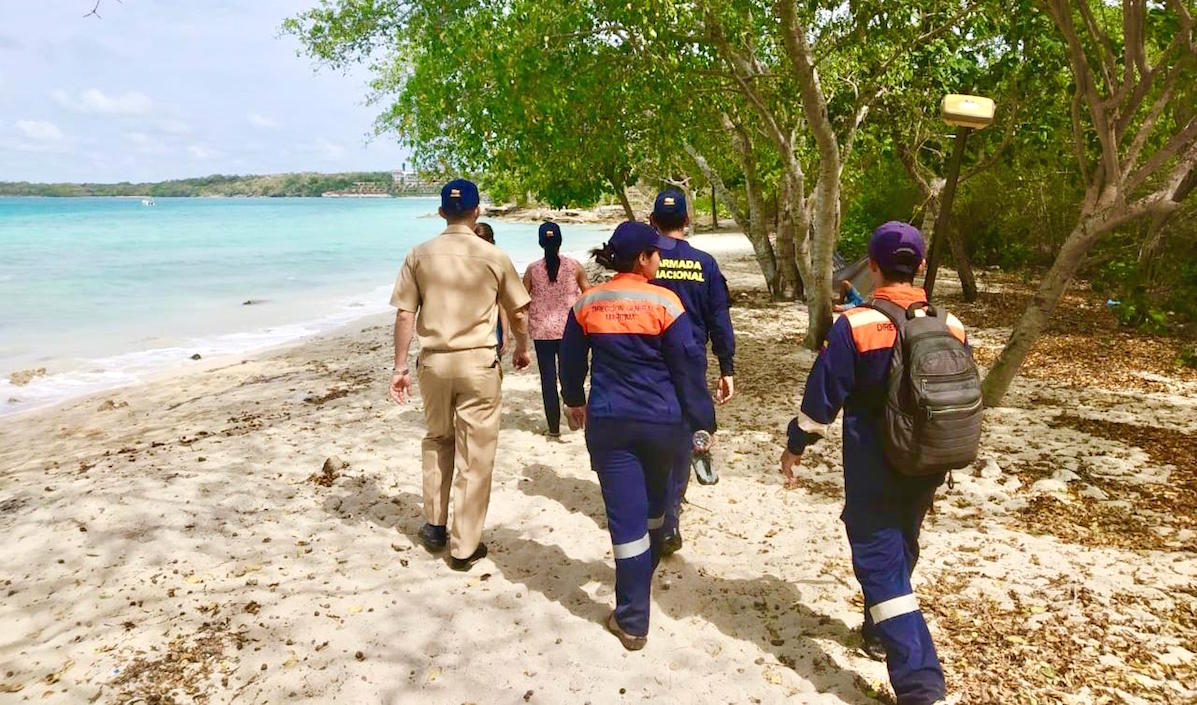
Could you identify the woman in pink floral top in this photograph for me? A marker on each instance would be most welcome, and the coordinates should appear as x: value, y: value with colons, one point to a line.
x: 555, y: 283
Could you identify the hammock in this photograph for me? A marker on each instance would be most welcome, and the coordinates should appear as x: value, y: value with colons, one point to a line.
x: 856, y: 272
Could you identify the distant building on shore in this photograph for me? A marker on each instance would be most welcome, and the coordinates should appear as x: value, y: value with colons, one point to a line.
x: 412, y: 183
x: 361, y: 189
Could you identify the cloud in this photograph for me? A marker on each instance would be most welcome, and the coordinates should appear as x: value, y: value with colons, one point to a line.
x: 259, y: 120
x: 38, y: 136
x: 95, y: 102
x: 330, y: 150
x: 200, y: 152
x: 172, y: 126
x: 146, y: 144
x: 40, y: 131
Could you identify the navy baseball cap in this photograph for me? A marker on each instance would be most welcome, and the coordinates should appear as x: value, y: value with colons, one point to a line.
x: 897, y: 247
x: 459, y: 197
x: 549, y: 234
x: 633, y: 237
x: 670, y: 205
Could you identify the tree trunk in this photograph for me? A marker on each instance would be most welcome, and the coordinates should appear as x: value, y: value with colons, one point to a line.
x: 1037, y: 313
x: 752, y: 222
x: 714, y: 209
x: 793, y: 285
x: 623, y: 197
x: 1156, y: 230
x: 964, y: 268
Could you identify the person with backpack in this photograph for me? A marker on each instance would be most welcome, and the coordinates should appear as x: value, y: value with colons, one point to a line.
x: 695, y: 277
x: 904, y: 375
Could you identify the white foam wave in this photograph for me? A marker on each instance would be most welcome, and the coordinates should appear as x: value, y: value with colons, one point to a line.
x: 129, y: 368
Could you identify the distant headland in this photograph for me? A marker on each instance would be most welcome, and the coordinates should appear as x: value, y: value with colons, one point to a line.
x: 359, y: 184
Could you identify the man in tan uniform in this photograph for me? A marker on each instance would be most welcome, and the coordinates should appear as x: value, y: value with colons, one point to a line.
x: 450, y: 290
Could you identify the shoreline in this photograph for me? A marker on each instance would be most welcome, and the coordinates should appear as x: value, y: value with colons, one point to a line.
x: 249, y: 531
x: 72, y: 376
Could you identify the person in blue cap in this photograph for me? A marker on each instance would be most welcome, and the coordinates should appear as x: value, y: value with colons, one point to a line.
x: 647, y: 398
x: 883, y: 508
x: 554, y: 282
x: 449, y: 292
x: 695, y: 277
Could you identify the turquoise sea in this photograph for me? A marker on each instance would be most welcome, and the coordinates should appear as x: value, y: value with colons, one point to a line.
x: 104, y: 291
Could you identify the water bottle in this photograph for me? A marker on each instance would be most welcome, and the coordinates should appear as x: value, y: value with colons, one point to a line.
x: 704, y: 471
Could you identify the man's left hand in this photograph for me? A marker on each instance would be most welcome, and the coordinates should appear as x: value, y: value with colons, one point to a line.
x: 521, y: 359
x: 725, y: 389
x: 788, y: 461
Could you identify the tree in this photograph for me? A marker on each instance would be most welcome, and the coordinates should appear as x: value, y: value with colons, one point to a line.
x: 1134, y: 135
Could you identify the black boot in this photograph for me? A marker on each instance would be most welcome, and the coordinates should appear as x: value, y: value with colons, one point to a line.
x: 464, y: 564
x: 434, y: 537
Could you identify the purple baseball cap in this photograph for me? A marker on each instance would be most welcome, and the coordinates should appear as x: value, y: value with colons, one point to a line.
x: 633, y: 237
x: 897, y: 247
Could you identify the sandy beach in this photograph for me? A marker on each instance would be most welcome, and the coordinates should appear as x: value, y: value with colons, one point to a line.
x: 245, y: 533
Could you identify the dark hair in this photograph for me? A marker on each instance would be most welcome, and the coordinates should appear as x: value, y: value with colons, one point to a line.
x: 669, y: 221
x: 486, y: 232
x: 895, y: 277
x: 552, y: 259
x: 607, y: 258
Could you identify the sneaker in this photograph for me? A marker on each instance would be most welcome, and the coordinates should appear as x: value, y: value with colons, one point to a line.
x: 434, y: 537
x: 672, y: 543
x: 464, y: 564
x: 629, y: 641
x: 872, y: 645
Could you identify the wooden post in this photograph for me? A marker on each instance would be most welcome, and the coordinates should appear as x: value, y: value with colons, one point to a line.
x: 714, y: 209
x: 945, y: 209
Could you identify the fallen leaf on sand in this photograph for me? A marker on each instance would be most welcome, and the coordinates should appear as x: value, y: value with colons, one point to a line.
x: 355, y: 609
x: 433, y: 674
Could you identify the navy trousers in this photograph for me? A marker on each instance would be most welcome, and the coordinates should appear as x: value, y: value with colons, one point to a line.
x: 633, y: 460
x: 885, y: 549
x: 679, y: 480
x: 547, y: 352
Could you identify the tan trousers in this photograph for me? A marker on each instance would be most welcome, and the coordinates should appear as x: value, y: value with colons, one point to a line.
x: 462, y: 392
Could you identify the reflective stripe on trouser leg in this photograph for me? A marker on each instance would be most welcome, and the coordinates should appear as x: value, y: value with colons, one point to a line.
x: 633, y: 481
x: 881, y: 563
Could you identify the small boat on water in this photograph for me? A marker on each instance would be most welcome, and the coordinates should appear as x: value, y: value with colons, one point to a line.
x: 148, y: 202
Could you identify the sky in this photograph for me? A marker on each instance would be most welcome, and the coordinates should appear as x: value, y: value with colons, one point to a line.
x: 163, y: 89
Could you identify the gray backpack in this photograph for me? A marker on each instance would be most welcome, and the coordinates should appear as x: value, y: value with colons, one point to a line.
x: 931, y: 421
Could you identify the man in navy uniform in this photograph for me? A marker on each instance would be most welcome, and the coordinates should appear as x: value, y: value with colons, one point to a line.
x: 883, y: 508
x: 695, y: 277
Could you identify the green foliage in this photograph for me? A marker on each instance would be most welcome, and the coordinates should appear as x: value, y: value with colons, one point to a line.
x: 1137, y: 312
x: 1188, y: 356
x: 879, y: 192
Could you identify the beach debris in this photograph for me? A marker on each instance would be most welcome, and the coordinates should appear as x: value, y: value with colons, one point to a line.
x: 110, y: 405
x: 253, y: 302
x: 197, y: 356
x: 183, y: 670
x: 335, y: 393
x: 22, y: 377
x: 329, y: 472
